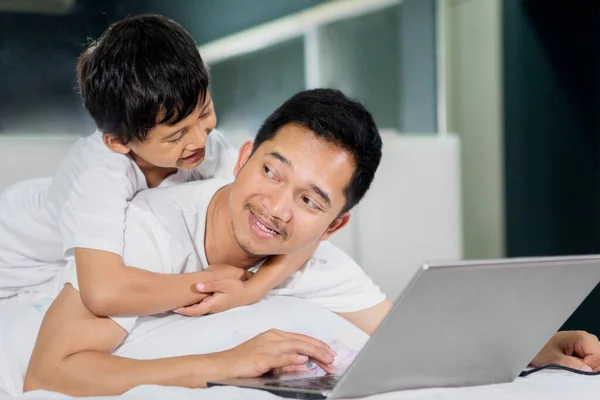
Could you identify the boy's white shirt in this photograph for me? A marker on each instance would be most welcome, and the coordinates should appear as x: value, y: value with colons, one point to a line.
x: 164, y: 233
x: 82, y: 205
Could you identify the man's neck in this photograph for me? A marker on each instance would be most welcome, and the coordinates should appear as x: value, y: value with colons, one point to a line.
x: 219, y: 242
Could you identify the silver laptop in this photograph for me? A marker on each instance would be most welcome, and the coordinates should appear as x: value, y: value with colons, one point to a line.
x: 456, y: 324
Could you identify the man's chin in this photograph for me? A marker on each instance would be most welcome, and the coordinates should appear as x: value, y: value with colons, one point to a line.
x: 250, y: 248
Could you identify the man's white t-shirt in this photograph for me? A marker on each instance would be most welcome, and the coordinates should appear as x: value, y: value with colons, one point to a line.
x: 83, y: 205
x: 164, y: 233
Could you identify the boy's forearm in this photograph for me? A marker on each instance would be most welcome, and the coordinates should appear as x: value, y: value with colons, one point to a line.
x: 142, y: 292
x: 264, y: 280
x: 274, y: 271
x: 109, y: 288
x: 99, y: 374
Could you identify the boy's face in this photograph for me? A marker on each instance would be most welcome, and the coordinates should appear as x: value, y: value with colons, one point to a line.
x: 177, y: 146
x: 289, y: 194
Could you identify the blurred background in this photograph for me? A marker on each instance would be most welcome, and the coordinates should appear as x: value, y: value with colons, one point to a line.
x: 490, y: 110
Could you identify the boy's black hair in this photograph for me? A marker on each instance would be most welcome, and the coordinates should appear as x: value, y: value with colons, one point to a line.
x: 144, y: 70
x: 336, y: 119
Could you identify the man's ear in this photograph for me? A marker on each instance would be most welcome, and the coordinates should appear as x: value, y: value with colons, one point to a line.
x: 336, y: 225
x: 114, y: 144
x: 245, y: 152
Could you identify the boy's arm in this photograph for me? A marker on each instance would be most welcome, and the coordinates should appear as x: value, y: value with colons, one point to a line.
x: 109, y: 288
x: 226, y: 293
x: 274, y: 271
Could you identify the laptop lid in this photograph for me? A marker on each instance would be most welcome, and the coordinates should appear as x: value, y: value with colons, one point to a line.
x: 458, y: 324
x: 470, y: 323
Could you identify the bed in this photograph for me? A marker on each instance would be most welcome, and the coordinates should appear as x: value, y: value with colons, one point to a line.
x: 171, y: 335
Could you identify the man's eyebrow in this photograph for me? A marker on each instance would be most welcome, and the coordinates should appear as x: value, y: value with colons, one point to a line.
x: 281, y: 158
x: 322, y: 194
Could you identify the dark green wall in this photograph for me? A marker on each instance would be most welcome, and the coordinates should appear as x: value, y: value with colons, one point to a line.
x: 38, y: 52
x: 552, y: 131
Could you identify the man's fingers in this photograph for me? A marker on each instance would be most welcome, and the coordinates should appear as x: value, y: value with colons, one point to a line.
x: 593, y: 361
x: 317, y: 354
x: 309, y: 339
x: 287, y: 363
x: 291, y: 369
x: 575, y: 363
x: 587, y: 347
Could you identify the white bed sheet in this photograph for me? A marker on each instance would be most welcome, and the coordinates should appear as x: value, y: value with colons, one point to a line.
x: 546, y: 385
x: 171, y: 335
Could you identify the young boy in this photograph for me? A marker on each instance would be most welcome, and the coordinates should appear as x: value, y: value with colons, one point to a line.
x: 146, y: 86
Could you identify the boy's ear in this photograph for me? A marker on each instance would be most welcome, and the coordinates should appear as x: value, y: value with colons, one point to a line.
x: 245, y: 153
x: 114, y: 144
x: 336, y: 225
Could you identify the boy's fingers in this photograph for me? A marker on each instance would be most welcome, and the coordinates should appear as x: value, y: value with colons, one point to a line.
x: 223, y: 286
x: 196, y: 310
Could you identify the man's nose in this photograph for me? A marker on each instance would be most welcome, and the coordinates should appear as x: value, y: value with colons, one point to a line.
x: 279, y: 204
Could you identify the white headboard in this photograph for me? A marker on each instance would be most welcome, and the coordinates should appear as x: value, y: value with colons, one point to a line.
x: 411, y: 214
x: 31, y: 156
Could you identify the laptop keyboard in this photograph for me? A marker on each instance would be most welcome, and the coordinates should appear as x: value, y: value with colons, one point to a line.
x: 326, y: 382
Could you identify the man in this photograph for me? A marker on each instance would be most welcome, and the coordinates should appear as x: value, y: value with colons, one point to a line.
x: 312, y: 160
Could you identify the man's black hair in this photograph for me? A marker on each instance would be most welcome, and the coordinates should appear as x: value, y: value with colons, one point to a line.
x: 336, y: 119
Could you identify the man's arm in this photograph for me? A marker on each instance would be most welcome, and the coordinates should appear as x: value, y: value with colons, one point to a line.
x: 110, y: 288
x: 72, y: 356
x: 368, y: 320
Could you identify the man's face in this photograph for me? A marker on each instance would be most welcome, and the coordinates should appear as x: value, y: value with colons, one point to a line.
x: 289, y: 194
x: 176, y: 146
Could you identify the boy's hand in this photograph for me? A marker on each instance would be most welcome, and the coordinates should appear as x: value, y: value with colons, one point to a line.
x: 223, y: 295
x: 226, y: 288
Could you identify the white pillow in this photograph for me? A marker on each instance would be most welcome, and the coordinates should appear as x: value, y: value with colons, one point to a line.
x: 169, y: 335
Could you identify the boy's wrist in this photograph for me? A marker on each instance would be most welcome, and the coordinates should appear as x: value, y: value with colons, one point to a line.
x: 253, y: 291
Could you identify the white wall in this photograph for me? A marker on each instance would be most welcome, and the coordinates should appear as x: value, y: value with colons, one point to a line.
x: 30, y: 156
x: 411, y: 214
x: 474, y: 101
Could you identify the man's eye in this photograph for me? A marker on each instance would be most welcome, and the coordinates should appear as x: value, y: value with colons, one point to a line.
x: 268, y: 172
x: 310, y: 203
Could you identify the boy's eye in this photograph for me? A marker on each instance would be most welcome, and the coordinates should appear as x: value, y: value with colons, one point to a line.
x: 177, y: 139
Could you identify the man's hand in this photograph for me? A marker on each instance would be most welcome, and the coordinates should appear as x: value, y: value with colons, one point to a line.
x: 226, y: 290
x: 278, y: 352
x: 575, y: 349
